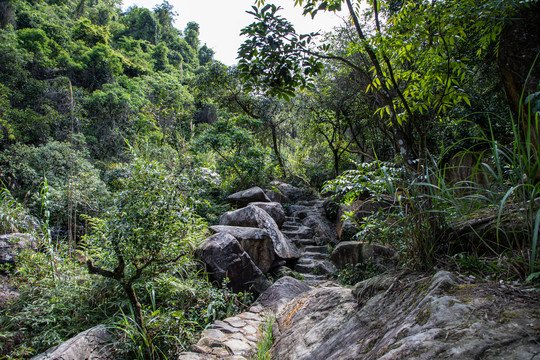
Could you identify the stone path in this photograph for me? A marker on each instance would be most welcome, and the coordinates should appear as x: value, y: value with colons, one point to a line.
x: 235, y: 338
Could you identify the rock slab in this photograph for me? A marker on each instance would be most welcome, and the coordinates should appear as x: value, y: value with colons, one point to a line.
x: 290, y: 191
x: 243, y: 198
x: 274, y: 209
x: 354, y: 252
x: 281, y: 292
x: 409, y: 316
x: 92, y: 344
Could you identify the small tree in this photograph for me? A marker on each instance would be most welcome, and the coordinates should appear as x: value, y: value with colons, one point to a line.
x: 149, y: 228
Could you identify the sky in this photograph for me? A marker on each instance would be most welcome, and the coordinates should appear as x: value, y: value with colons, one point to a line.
x: 220, y: 21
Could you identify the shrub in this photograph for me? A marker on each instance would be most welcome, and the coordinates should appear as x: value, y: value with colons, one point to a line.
x: 74, y: 184
x: 150, y: 228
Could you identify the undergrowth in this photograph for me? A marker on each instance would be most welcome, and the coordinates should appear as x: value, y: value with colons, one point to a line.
x: 177, y: 305
x: 353, y: 274
x: 428, y: 207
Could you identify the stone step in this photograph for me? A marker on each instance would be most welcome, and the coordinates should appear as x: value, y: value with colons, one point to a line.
x: 312, y: 203
x: 304, y: 242
x: 302, y: 232
x: 305, y: 268
x: 317, y: 249
x: 314, y: 266
x: 314, y: 277
x: 292, y: 219
x: 287, y: 226
x: 314, y: 280
x: 314, y: 255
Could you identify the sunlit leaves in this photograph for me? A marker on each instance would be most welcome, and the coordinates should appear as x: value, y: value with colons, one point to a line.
x: 275, y: 59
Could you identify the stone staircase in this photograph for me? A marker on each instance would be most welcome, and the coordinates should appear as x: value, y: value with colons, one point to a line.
x: 314, y: 264
x: 236, y: 338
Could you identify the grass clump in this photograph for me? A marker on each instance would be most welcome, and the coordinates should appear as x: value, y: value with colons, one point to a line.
x: 265, y: 343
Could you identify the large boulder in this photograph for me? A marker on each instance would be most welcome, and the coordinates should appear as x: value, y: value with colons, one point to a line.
x: 347, y: 252
x: 252, y: 216
x: 277, y: 197
x: 225, y: 258
x: 256, y: 242
x: 491, y: 231
x: 353, y: 252
x: 274, y: 209
x: 324, y: 231
x: 409, y: 316
x: 12, y: 244
x: 92, y: 344
x: 244, y: 197
x: 291, y: 192
x: 281, y: 292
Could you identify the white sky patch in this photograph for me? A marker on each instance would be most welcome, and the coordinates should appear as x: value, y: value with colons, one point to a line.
x: 220, y: 21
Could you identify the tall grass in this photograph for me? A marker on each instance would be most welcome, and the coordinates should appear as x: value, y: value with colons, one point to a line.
x: 434, y: 211
x: 511, y: 193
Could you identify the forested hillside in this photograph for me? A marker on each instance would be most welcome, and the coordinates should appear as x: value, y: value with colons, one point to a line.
x: 122, y: 136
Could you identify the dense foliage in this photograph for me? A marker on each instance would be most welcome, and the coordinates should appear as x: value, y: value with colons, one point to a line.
x: 121, y: 136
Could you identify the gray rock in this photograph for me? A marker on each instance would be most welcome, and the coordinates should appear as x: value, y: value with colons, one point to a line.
x: 243, y: 198
x: 12, y: 244
x: 8, y: 293
x: 252, y: 216
x: 302, y: 211
x: 274, y: 209
x: 347, y: 230
x: 323, y: 229
x: 408, y: 316
x: 298, y: 232
x: 92, y: 344
x: 312, y: 214
x: 277, y: 197
x: 196, y: 356
x: 353, y: 252
x: 290, y: 191
x: 487, y: 231
x: 281, y: 292
x: 256, y: 242
x: 347, y: 252
x: 281, y: 271
x: 224, y: 257
x: 315, y: 266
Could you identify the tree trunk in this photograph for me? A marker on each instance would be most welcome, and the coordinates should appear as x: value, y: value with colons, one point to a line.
x: 137, y: 312
x: 403, y: 143
x: 335, y: 152
x: 275, y: 147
